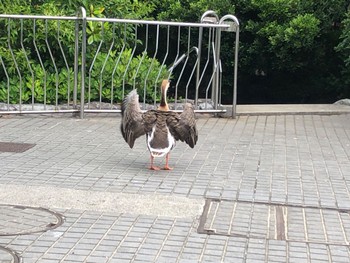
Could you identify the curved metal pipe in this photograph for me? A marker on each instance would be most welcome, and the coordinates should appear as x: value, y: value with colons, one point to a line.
x: 233, y: 28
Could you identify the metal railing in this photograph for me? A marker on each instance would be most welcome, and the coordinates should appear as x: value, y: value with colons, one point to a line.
x: 85, y: 64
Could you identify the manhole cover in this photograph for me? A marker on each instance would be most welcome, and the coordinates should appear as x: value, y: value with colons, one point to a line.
x: 15, y: 147
x: 273, y: 221
x: 8, y: 256
x: 21, y: 220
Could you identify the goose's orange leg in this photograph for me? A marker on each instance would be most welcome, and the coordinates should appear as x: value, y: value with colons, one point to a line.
x: 152, y: 167
x: 166, y: 167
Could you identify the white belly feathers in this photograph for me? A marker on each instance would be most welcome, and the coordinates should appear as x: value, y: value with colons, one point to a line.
x: 166, y: 147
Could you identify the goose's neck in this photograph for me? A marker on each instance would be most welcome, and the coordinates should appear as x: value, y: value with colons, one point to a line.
x: 163, y: 101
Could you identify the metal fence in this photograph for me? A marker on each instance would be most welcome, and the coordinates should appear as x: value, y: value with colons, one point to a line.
x: 85, y: 64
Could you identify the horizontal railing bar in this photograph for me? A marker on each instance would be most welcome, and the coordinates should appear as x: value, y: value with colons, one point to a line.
x: 162, y: 23
x: 25, y: 112
x: 91, y: 111
x: 117, y: 20
x: 118, y: 111
x: 38, y: 111
x: 40, y: 17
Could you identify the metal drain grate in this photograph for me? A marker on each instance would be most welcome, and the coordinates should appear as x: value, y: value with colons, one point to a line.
x: 278, y: 222
x: 8, y: 255
x: 15, y: 147
x: 22, y: 220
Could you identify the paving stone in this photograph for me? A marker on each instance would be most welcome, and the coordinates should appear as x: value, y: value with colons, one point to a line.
x: 291, y: 160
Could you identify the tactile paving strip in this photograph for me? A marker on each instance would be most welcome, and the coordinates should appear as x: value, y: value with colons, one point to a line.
x: 15, y: 147
x: 276, y: 222
x: 21, y: 220
x: 8, y: 256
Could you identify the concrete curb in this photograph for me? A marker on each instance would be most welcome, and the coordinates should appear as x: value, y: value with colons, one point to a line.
x: 286, y: 109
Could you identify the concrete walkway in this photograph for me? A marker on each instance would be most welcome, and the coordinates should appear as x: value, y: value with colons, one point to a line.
x: 272, y: 185
x: 292, y: 109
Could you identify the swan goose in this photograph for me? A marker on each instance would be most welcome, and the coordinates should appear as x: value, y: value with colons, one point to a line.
x: 162, y: 127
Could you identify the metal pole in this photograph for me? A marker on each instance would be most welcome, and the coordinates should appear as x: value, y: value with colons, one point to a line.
x: 210, y: 17
x: 83, y: 61
x: 233, y: 27
x: 234, y: 102
x: 198, y: 66
x: 217, y: 73
x: 76, y: 63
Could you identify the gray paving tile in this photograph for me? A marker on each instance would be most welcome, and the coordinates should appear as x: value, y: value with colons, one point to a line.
x: 291, y: 160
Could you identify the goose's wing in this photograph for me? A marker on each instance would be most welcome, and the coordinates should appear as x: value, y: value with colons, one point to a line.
x: 134, y: 123
x: 183, y: 126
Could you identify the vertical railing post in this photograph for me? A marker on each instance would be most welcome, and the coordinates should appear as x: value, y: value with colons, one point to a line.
x: 198, y: 65
x: 234, y: 101
x: 76, y: 63
x: 233, y: 27
x: 210, y: 17
x: 83, y: 62
x: 216, y: 81
x: 82, y: 15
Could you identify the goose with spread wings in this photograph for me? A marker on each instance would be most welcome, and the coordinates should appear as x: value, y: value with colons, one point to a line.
x: 161, y: 127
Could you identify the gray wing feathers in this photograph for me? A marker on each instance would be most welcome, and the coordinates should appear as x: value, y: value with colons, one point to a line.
x: 184, y: 127
x: 132, y: 125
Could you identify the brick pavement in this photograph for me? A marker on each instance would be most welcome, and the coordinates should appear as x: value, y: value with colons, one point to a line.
x: 276, y: 189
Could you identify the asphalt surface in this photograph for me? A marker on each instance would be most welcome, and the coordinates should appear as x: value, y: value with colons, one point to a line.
x: 272, y: 185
